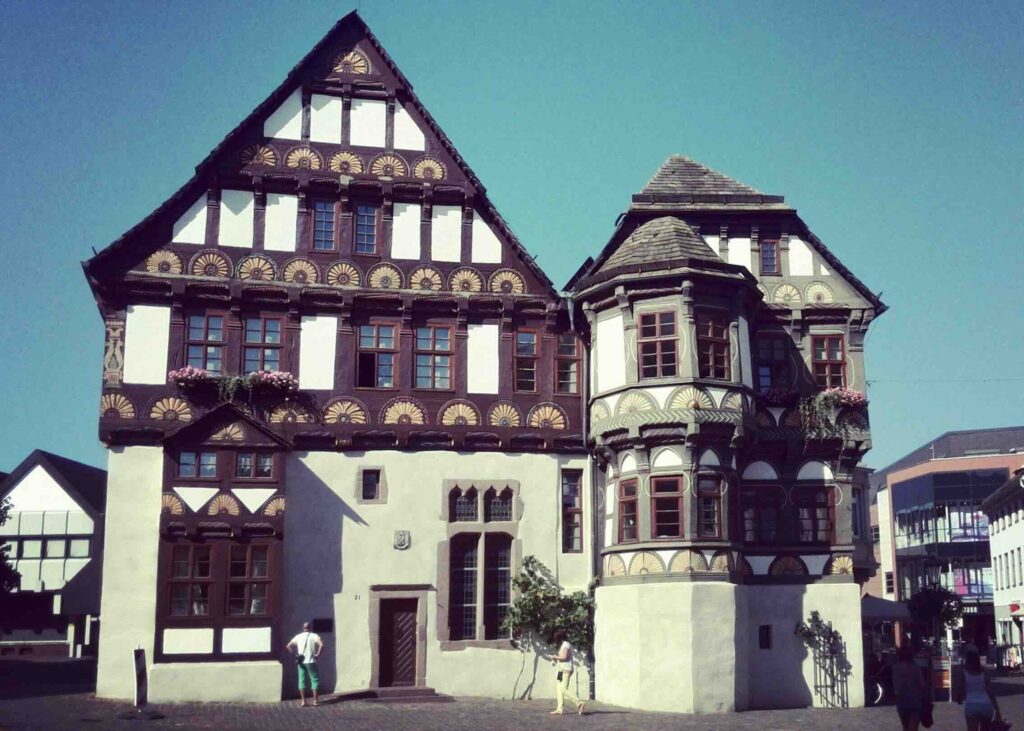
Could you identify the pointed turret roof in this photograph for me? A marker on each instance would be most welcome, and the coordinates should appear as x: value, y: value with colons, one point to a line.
x: 660, y: 240
x: 682, y: 180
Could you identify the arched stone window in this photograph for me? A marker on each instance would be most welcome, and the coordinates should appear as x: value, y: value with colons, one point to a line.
x: 497, y: 505
x: 462, y: 505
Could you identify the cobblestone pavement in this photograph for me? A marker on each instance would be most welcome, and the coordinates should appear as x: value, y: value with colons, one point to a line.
x: 80, y: 710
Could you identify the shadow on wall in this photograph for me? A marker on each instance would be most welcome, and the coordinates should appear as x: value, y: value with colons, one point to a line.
x: 313, y: 526
x: 776, y: 655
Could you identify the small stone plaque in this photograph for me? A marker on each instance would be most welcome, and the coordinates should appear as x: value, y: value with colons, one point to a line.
x: 403, y: 539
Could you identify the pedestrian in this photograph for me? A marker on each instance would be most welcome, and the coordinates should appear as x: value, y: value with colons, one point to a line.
x: 308, y: 647
x: 909, y: 688
x: 563, y: 663
x: 975, y: 693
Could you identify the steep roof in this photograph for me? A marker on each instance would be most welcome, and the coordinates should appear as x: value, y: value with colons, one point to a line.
x: 681, y: 179
x: 80, y: 480
x: 197, y: 184
x: 660, y: 239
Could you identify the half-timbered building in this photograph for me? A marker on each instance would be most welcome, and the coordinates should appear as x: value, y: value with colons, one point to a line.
x: 336, y: 387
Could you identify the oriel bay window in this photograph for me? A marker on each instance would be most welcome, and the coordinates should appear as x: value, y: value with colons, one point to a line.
x: 262, y: 347
x: 434, y: 358
x: 567, y: 364
x: 713, y: 346
x: 376, y: 360
x: 526, y: 361
x: 627, y: 515
x: 829, y: 361
x: 815, y: 513
x: 323, y: 225
x: 666, y: 507
x: 657, y: 345
x: 709, y: 506
x: 762, y: 506
x: 204, y: 346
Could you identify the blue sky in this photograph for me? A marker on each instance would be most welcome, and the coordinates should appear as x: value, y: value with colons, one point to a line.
x: 894, y: 129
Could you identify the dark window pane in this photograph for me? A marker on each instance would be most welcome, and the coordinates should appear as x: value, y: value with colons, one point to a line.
x: 243, y: 465
x: 264, y: 465
x: 208, y: 464
x: 201, y: 556
x: 239, y: 566
x: 236, y: 599
x: 179, y: 600
x: 371, y: 484
x: 259, y: 563
x: 180, y: 563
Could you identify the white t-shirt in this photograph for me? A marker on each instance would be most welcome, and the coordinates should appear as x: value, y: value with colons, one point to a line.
x: 566, y: 649
x: 305, y: 643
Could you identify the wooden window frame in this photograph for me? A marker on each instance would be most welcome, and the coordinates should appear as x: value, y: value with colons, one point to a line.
x: 315, y: 227
x: 519, y: 358
x: 659, y: 340
x: 620, y: 514
x: 205, y: 342
x: 678, y: 495
x: 573, y: 361
x: 778, y: 368
x: 828, y: 378
x: 263, y: 345
x: 773, y: 246
x: 376, y: 350
x: 255, y: 454
x: 758, y: 497
x: 198, y: 451
x: 712, y: 347
x: 190, y: 581
x: 572, y: 512
x: 702, y: 496
x: 249, y: 581
x: 799, y: 497
x: 356, y: 213
x: 433, y: 354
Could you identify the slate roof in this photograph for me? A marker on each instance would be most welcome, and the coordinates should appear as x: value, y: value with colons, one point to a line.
x: 80, y: 480
x: 681, y: 179
x: 660, y: 239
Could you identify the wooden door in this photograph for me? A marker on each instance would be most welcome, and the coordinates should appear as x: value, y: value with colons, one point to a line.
x: 398, y: 642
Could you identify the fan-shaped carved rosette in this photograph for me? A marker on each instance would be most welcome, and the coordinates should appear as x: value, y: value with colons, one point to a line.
x: 688, y: 561
x: 466, y: 280
x: 819, y: 293
x: 460, y: 413
x: 385, y: 276
x: 163, y: 262
x: 403, y: 411
x: 116, y: 406
x: 426, y: 278
x: 389, y: 165
x: 546, y: 416
x: 351, y: 62
x: 689, y: 397
x: 506, y: 281
x: 301, y: 271
x: 634, y: 402
x: 764, y: 291
x: 787, y: 566
x: 721, y: 562
x: 304, y: 158
x: 210, y: 264
x: 614, y: 566
x: 428, y: 168
x: 504, y: 414
x: 259, y: 155
x: 290, y: 413
x: 171, y: 504
x: 257, y: 268
x: 786, y: 294
x: 599, y: 412
x: 223, y: 504
x: 733, y: 401
x: 171, y: 408
x: 646, y: 562
x: 343, y: 274
x: 345, y: 411
x: 764, y: 418
x: 792, y: 418
x: 229, y: 433
x: 345, y: 163
x: 275, y: 506
x: 841, y: 564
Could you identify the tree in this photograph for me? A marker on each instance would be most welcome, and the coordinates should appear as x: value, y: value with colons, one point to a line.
x: 539, y: 607
x: 9, y: 578
x: 935, y: 606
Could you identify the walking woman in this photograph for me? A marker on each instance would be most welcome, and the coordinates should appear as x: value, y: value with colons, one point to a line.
x: 909, y: 688
x: 976, y: 694
x: 563, y: 661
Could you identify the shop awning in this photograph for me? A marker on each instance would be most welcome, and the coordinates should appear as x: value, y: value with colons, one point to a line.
x: 876, y: 609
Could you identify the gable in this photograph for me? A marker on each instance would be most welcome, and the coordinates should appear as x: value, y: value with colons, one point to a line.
x: 38, y: 491
x: 226, y: 426
x: 344, y: 130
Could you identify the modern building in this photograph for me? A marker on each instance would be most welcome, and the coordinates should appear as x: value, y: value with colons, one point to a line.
x: 54, y: 539
x: 1004, y: 509
x: 931, y: 523
x: 446, y: 411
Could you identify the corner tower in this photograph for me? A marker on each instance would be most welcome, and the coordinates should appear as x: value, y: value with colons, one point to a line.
x: 724, y: 518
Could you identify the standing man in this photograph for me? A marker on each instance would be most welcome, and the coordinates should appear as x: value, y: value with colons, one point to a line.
x: 307, y: 647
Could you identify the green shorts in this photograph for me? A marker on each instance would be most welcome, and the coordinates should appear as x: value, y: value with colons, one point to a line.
x: 309, y: 676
